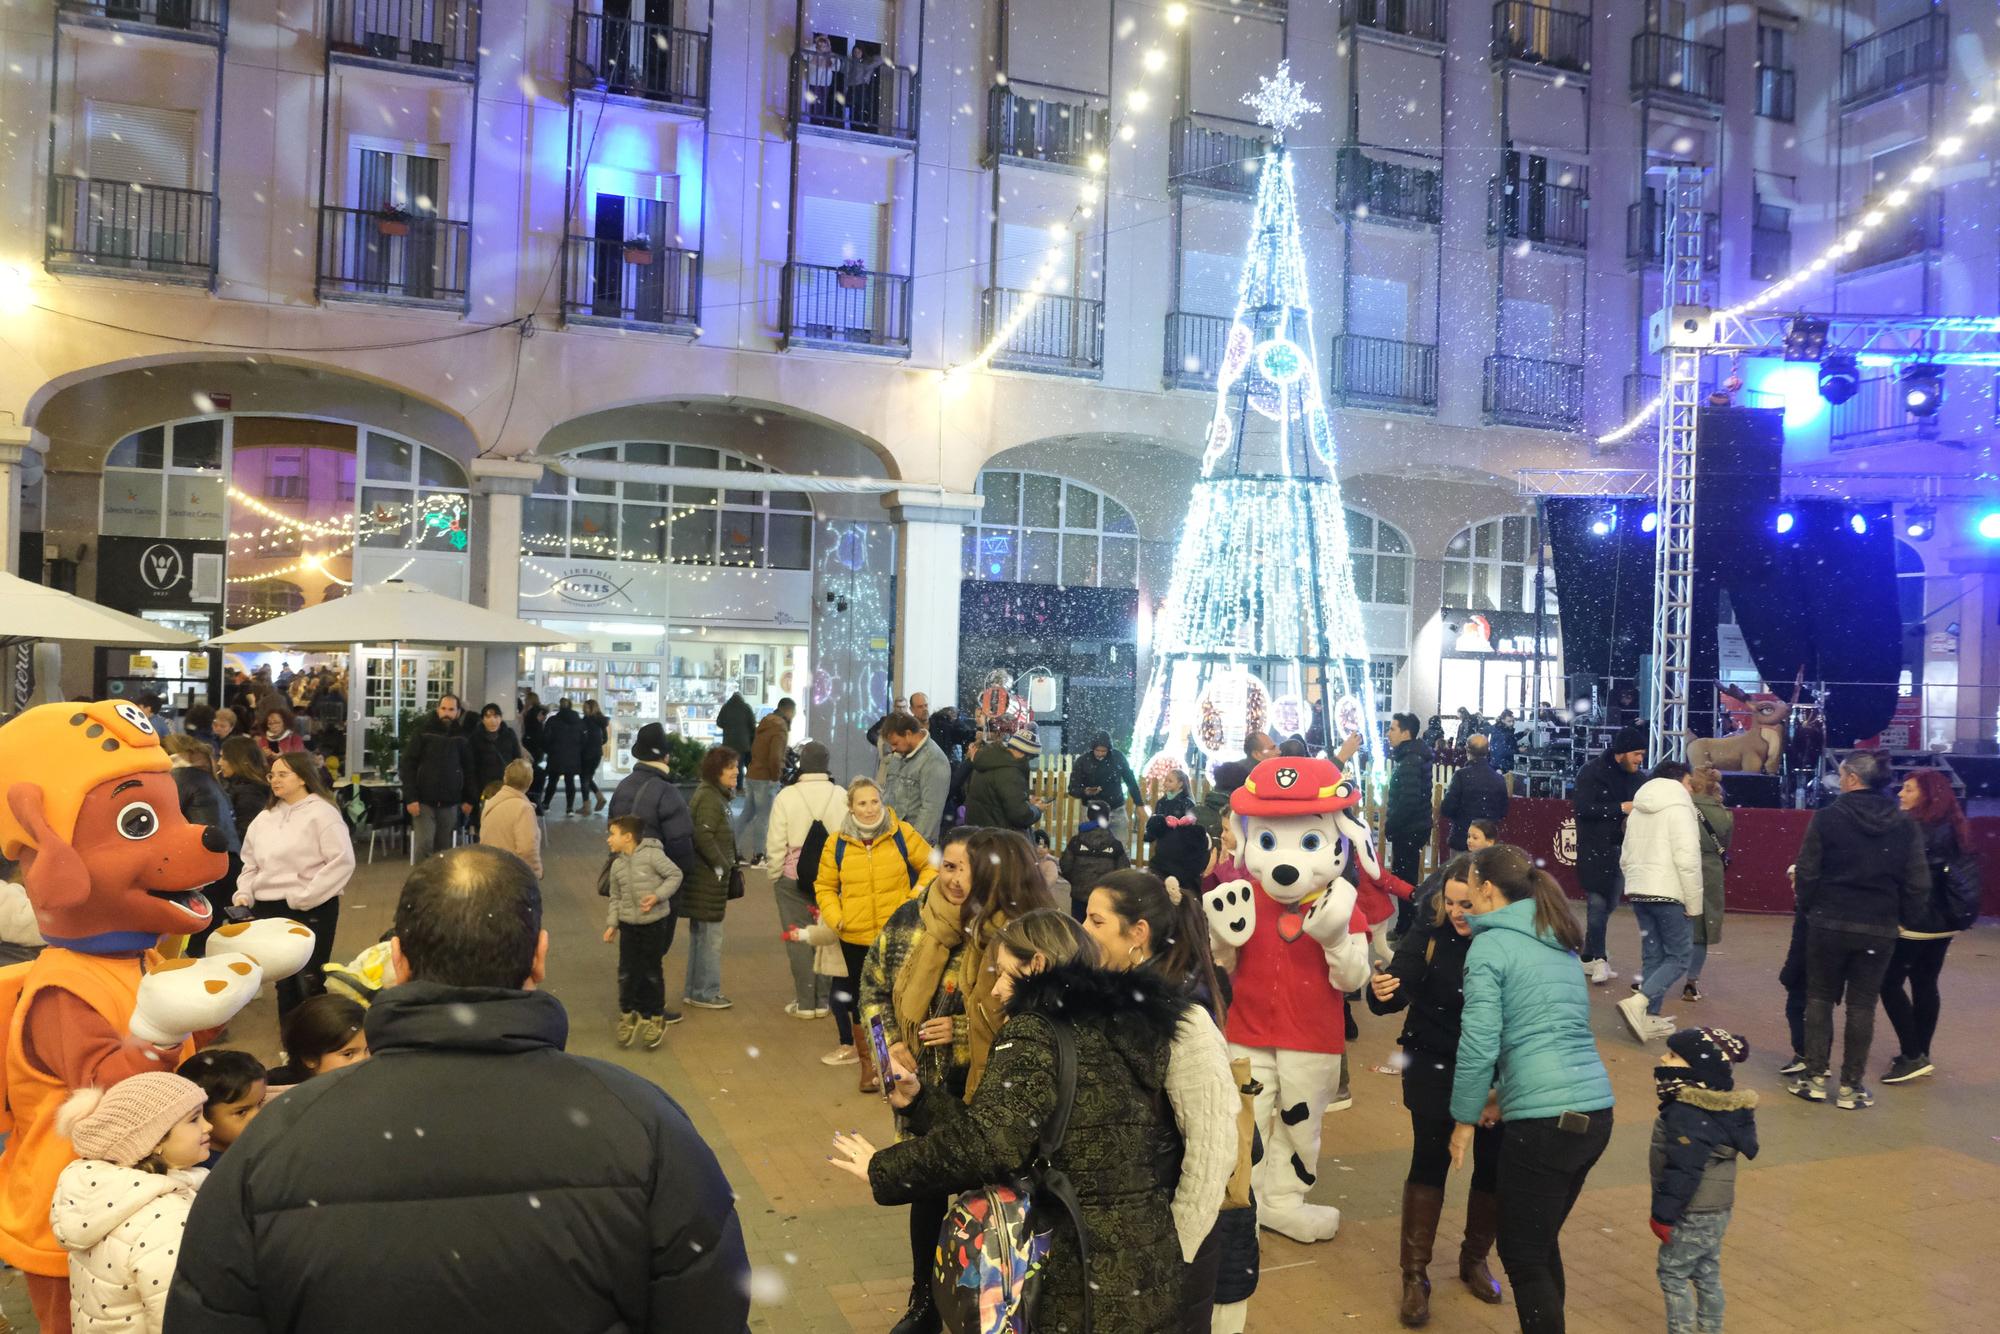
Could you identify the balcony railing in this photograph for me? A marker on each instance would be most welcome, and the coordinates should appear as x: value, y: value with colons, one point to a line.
x: 1384, y: 372
x: 858, y: 310
x: 1551, y: 215
x: 1770, y: 242
x: 1527, y: 391
x: 440, y: 35
x: 115, y: 226
x: 1194, y: 349
x: 1062, y: 129
x: 203, y: 19
x: 1216, y: 154
x: 410, y: 259
x: 1883, y: 65
x: 1394, y: 190
x: 1676, y: 67
x: 1539, y: 35
x: 1777, y: 93
x: 651, y: 61
x: 1876, y: 415
x: 1917, y: 231
x: 1646, y: 233
x: 1064, y: 334
x: 1422, y: 19
x: 611, y: 282
x: 834, y: 95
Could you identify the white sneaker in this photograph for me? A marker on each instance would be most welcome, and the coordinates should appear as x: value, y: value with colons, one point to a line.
x: 792, y: 1009
x: 1600, y: 972
x: 1633, y: 1011
x: 1663, y: 1026
x: 841, y: 1056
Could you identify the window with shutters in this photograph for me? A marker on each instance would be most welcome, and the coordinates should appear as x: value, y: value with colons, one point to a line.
x: 835, y: 231
x: 139, y: 145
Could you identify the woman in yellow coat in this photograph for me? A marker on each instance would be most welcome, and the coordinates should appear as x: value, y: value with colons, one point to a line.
x: 872, y: 866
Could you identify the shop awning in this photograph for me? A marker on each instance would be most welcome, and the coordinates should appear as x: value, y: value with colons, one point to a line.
x: 388, y: 613
x: 33, y: 611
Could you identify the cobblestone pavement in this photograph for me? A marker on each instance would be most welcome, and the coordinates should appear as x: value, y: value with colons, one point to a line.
x: 1849, y: 1221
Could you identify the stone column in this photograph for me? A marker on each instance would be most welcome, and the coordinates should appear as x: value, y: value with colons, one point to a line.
x: 500, y: 488
x: 930, y: 526
x: 15, y: 443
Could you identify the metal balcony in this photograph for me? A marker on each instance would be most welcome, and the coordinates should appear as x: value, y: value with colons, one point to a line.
x: 1646, y: 234
x: 1215, y: 155
x: 1777, y: 93
x: 1673, y: 68
x: 1916, y: 233
x: 1770, y: 242
x: 1194, y: 350
x: 1389, y: 191
x: 1384, y: 373
x: 116, y: 227
x: 1063, y: 335
x: 618, y: 284
x: 396, y: 260
x: 180, y: 20
x: 1555, y: 216
x: 1909, y: 55
x: 834, y: 96
x: 1532, y: 34
x: 648, y: 62
x: 1047, y: 127
x: 849, y: 309
x: 1419, y: 19
x: 435, y: 37
x: 1876, y: 416
x: 1527, y: 391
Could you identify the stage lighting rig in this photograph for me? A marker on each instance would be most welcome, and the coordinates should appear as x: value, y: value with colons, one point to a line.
x: 1920, y: 522
x: 1839, y: 377
x: 1922, y: 387
x: 1805, y: 339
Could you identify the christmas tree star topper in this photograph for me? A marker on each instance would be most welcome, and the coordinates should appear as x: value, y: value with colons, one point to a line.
x: 1280, y: 102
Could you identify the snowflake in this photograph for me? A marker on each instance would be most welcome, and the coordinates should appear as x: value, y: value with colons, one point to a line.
x: 1280, y: 102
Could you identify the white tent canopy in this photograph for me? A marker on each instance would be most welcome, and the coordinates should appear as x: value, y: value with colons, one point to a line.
x: 388, y: 613
x: 32, y: 611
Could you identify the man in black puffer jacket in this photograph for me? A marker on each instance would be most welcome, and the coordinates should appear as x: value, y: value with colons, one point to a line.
x: 1406, y: 818
x: 472, y: 1171
x: 1476, y: 792
x: 1605, y: 788
x: 440, y: 781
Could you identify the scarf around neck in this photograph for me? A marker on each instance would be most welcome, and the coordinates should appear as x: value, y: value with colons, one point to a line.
x: 978, y: 971
x: 861, y: 833
x: 941, y: 932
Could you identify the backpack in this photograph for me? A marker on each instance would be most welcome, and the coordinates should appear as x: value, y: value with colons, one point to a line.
x: 995, y: 1240
x: 1958, y: 897
x: 840, y: 850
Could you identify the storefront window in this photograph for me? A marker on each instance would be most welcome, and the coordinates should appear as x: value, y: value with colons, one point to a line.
x: 166, y: 481
x: 1035, y: 528
x: 1381, y: 558
x: 1490, y: 566
x: 687, y: 525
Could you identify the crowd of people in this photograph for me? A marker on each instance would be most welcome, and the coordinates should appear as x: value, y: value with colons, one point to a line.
x: 1054, y: 1020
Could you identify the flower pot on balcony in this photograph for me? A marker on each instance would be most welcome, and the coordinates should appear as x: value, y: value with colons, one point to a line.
x: 638, y: 254
x: 389, y: 226
x: 853, y: 282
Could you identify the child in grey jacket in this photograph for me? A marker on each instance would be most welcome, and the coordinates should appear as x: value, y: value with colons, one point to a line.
x: 641, y: 882
x: 1705, y: 1125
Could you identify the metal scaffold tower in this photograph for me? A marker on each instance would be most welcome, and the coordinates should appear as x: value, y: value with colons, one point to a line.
x: 1680, y: 332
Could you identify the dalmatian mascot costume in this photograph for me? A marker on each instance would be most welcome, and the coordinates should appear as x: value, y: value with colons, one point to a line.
x: 111, y: 867
x: 1294, y: 938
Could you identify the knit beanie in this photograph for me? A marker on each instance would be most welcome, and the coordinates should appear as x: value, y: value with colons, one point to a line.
x: 1709, y: 1052
x: 124, y: 1123
x: 650, y: 743
x: 1024, y: 744
x: 814, y: 759
x: 1627, y: 740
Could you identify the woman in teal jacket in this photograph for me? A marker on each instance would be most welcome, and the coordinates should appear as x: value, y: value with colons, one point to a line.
x: 1526, y: 1030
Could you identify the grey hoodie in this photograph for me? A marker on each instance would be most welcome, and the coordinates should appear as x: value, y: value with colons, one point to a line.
x: 634, y: 875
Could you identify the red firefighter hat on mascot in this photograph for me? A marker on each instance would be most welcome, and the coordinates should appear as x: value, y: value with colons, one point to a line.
x: 67, y: 750
x: 1284, y: 785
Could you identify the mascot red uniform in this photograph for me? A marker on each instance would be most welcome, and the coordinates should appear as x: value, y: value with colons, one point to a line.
x: 1293, y: 942
x: 110, y: 865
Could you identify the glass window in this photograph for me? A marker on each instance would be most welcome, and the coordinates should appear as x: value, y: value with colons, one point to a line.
x: 1079, y: 560
x: 1040, y: 528
x: 198, y: 445
x: 586, y: 486
x: 389, y: 459
x: 696, y: 456
x: 1118, y: 519
x: 642, y: 532
x: 1003, y: 497
x: 1491, y: 565
x: 694, y: 537
x: 1120, y: 568
x: 433, y: 469
x: 141, y: 449
x: 551, y: 483
x: 1364, y: 574
x: 1455, y: 576
x: 132, y: 503
x: 968, y: 554
x: 1380, y: 579
x: 790, y: 500
x: 655, y: 521
x: 790, y: 539
x: 1041, y: 496
x: 654, y: 453
x: 693, y: 495
x: 743, y: 537
x: 1079, y: 509
x: 441, y: 520
x: 1038, y: 558
x: 593, y: 528
x: 1391, y: 539
x: 996, y: 554
x: 1360, y: 530
x: 1513, y: 539
x: 545, y: 526
x: 735, y: 463
x: 385, y: 517
x: 1392, y: 579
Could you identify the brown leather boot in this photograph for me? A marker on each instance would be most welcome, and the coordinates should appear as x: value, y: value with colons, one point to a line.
x: 1482, y: 1225
x: 1421, y: 1207
x: 871, y: 1082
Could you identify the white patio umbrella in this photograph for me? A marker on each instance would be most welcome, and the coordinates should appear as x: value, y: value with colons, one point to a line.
x: 33, y: 611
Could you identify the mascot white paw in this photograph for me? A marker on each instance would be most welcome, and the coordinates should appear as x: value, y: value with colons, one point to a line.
x: 184, y: 996
x: 1232, y: 912
x: 277, y: 945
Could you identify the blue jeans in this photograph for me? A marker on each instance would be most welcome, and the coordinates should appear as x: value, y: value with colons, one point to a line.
x: 1666, y: 943
x: 1697, y: 960
x: 1600, y: 894
x: 754, y: 820
x: 1694, y: 1259
x: 704, y: 968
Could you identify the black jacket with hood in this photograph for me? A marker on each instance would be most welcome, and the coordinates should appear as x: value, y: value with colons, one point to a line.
x: 1091, y: 855
x: 1602, y: 789
x: 437, y: 766
x: 492, y: 752
x: 1409, y: 806
x: 1122, y: 1152
x: 1112, y: 776
x: 475, y: 1177
x: 1861, y: 867
x: 562, y: 740
x: 996, y: 796
x: 1696, y: 1142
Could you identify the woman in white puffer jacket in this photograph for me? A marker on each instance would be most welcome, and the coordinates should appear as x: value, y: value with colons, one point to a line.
x: 1661, y: 861
x: 120, y: 1208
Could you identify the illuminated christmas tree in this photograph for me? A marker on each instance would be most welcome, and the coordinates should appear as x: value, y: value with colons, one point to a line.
x: 1261, y: 619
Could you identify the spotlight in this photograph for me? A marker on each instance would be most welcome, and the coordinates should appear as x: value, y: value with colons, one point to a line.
x: 1604, y: 523
x: 1988, y: 526
x: 1785, y: 522
x: 1650, y: 522
x: 1919, y: 522
x: 1857, y: 523
x: 1923, y: 388
x: 1839, y: 377
x: 1805, y: 340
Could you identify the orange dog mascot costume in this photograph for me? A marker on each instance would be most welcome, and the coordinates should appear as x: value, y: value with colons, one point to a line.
x: 110, y: 864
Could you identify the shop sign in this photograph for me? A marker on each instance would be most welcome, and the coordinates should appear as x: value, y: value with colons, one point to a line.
x: 612, y: 588
x: 152, y: 573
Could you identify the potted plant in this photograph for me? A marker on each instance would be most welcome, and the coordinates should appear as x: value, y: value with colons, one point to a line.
x: 638, y: 250
x: 851, y: 275
x: 393, y: 221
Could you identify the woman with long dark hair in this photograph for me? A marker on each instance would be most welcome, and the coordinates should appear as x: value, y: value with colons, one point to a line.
x: 1007, y: 884
x: 1427, y: 977
x: 1526, y: 1025
x: 297, y: 860
x: 596, y: 735
x: 1910, y: 994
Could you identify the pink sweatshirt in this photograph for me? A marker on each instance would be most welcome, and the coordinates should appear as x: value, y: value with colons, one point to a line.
x: 299, y: 854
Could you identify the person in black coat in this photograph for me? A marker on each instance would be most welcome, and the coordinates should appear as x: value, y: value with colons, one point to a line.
x: 1406, y: 820
x: 737, y: 722
x: 1605, y: 788
x: 1427, y: 978
x: 596, y: 735
x: 650, y: 793
x: 563, y: 739
x: 494, y: 747
x: 439, y: 787
x: 1476, y: 792
x: 1102, y: 774
x: 472, y: 1168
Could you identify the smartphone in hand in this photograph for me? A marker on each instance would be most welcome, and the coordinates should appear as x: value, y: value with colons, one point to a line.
x: 878, y: 1037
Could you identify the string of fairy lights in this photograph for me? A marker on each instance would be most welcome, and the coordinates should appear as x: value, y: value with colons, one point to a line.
x: 1891, y: 204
